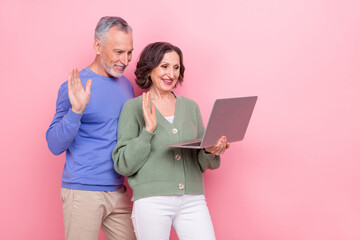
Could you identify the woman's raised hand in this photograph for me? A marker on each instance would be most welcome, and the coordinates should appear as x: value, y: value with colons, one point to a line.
x: 149, y: 113
x: 219, y: 147
x: 78, y: 96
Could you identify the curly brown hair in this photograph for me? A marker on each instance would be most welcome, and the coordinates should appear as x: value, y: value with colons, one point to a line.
x: 150, y: 58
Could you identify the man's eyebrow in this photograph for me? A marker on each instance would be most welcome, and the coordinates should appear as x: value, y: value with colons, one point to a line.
x: 121, y: 50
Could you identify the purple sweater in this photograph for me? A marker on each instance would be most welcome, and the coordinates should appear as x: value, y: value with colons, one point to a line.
x: 89, y: 138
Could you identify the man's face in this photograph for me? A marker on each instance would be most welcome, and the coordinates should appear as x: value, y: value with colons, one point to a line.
x: 115, y: 52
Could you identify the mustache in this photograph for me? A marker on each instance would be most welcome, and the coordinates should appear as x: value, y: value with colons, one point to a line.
x: 120, y: 65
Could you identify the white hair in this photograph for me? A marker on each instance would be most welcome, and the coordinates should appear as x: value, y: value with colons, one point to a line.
x: 106, y: 23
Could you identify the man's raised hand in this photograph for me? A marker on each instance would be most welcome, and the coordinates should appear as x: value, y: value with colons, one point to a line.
x: 78, y: 96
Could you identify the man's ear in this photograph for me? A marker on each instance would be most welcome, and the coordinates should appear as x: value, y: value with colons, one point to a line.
x: 97, y: 46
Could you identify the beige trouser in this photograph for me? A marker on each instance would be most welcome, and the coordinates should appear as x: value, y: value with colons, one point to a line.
x: 86, y: 211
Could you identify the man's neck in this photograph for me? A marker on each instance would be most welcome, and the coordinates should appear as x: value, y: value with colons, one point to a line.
x: 97, y: 68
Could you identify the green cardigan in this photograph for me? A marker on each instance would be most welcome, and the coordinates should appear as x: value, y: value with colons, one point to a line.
x: 153, y: 169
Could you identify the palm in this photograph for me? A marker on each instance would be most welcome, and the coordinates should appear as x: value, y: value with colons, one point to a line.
x: 149, y: 113
x: 78, y: 96
x: 219, y: 147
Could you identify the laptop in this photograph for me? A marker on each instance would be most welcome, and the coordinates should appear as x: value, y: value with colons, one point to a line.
x: 229, y: 117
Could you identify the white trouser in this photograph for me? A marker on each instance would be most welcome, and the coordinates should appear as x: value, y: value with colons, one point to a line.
x: 153, y: 216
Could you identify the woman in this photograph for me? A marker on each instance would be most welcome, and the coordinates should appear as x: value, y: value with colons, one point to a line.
x: 167, y: 182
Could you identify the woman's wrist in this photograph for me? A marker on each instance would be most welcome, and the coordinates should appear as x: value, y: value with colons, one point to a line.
x: 207, y: 151
x: 149, y: 129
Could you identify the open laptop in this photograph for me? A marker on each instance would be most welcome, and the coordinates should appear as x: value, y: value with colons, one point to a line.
x: 229, y: 117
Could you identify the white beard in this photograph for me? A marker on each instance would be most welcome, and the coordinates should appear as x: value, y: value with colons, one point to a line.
x: 109, y: 70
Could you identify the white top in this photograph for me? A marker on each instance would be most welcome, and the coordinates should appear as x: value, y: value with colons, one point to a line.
x: 170, y: 119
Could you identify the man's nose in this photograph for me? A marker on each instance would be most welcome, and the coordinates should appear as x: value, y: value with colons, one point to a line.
x: 124, y: 59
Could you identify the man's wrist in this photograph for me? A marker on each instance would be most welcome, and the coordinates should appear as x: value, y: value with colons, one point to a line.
x: 78, y: 110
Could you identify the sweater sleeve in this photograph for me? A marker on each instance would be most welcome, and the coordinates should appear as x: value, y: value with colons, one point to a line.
x: 65, y: 125
x: 133, y: 141
x: 206, y: 160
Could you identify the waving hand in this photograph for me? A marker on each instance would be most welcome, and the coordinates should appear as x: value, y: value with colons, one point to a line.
x: 78, y: 96
x: 149, y: 113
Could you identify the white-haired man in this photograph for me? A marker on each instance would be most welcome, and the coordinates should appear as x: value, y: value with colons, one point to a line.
x: 85, y: 126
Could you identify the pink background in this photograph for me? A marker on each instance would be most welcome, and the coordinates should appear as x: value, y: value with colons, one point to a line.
x: 297, y: 173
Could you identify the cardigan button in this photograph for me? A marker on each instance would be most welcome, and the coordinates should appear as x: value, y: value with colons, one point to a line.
x: 181, y: 186
x: 174, y: 131
x: 177, y: 157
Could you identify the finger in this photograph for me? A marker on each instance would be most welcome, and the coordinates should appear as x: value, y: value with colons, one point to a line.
x: 75, y: 77
x: 220, y: 149
x: 215, y: 150
x: 145, y: 106
x: 88, y: 86
x: 73, y: 80
x: 219, y: 146
x: 223, y: 144
x: 145, y: 98
x: 73, y: 74
x: 153, y: 110
x: 147, y: 102
x: 69, y: 80
x: 143, y: 102
x: 148, y: 98
x: 219, y: 141
x: 78, y: 80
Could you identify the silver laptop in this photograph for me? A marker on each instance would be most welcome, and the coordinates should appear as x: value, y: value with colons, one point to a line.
x: 229, y: 117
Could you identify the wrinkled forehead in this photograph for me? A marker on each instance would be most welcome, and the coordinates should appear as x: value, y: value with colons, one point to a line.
x: 118, y: 38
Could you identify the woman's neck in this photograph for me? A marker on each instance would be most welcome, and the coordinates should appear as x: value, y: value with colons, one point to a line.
x: 161, y: 95
x: 164, y: 101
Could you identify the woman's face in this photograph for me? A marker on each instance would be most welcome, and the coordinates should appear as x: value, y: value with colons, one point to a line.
x: 165, y: 76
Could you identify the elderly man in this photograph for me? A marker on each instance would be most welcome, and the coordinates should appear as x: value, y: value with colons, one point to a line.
x: 84, y: 126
